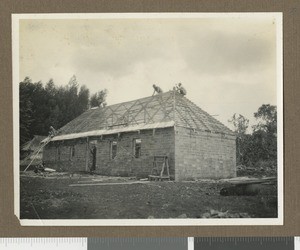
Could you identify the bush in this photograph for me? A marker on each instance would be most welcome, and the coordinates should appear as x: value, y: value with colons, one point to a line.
x: 267, y: 167
x: 259, y: 169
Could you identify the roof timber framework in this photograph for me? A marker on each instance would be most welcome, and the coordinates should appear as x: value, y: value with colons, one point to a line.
x: 169, y: 107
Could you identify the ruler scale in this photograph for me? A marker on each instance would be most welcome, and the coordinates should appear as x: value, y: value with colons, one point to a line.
x: 197, y: 243
x: 245, y: 243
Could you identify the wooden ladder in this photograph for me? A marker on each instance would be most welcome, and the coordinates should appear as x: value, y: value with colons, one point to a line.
x: 160, y: 170
x: 35, y: 153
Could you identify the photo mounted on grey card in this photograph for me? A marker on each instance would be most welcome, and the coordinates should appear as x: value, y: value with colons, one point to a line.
x: 148, y: 119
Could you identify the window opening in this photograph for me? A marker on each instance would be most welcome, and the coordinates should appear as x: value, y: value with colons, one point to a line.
x: 137, y: 143
x: 73, y: 151
x: 58, y: 153
x: 113, y: 148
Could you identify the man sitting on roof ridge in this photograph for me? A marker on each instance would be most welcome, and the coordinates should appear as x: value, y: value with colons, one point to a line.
x: 180, y: 89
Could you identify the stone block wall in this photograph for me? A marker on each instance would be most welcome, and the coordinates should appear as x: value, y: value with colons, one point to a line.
x: 204, y: 155
x: 57, y: 155
x: 192, y: 154
x: 159, y: 142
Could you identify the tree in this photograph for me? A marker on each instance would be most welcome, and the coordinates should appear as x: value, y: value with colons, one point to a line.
x: 70, y: 99
x: 267, y: 117
x: 98, y: 99
x: 54, y: 118
x: 50, y: 88
x: 25, y: 109
x: 240, y: 124
x: 265, y: 133
x: 83, y: 99
x: 42, y: 106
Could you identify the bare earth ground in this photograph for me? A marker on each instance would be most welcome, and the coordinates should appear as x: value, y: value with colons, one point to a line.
x: 51, y: 197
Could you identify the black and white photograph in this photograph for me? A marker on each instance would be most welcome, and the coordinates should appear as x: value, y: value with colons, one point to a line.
x: 148, y: 119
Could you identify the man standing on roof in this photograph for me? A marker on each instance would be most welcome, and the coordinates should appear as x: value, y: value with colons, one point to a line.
x: 181, y: 89
x: 157, y: 89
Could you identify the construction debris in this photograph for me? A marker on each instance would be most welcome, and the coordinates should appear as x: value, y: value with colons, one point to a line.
x: 37, y: 151
x: 182, y: 216
x: 219, y: 214
x: 28, y: 148
x: 50, y: 170
x: 250, y: 190
x: 108, y: 183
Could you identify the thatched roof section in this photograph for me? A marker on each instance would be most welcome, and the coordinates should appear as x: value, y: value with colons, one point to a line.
x: 162, y: 110
x: 28, y: 148
x: 33, y: 144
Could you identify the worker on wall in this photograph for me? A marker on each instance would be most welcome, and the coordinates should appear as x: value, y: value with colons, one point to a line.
x: 52, y: 132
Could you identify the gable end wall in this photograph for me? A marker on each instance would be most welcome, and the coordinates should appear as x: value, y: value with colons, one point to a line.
x: 204, y: 155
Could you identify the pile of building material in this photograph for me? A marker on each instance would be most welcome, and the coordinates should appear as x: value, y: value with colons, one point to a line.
x: 246, y: 186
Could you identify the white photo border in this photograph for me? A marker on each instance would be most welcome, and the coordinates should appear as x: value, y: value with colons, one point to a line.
x: 149, y: 222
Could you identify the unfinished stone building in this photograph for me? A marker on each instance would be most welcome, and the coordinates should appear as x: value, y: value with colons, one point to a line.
x: 123, y: 139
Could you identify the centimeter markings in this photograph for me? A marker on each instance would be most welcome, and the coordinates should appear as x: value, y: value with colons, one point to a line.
x: 32, y: 240
x: 138, y: 243
x: 43, y: 243
x: 137, y: 240
x: 242, y: 240
x: 244, y: 243
x: 203, y: 243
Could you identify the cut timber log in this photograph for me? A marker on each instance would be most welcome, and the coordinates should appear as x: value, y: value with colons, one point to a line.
x: 108, y: 184
x: 247, y: 187
x: 245, y: 181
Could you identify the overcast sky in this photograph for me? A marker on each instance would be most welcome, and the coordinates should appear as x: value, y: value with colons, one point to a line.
x: 227, y: 65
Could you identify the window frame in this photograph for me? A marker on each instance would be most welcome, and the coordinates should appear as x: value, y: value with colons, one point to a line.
x: 137, y: 156
x: 58, y: 151
x: 72, y: 151
x: 113, y: 143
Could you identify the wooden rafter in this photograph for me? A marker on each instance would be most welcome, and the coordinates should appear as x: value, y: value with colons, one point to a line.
x: 199, y: 117
x: 136, y: 114
x: 113, y: 113
x: 183, y: 118
x: 159, y: 107
x: 153, y: 109
x: 150, y: 117
x: 144, y: 108
x: 163, y: 103
x: 188, y: 111
x: 126, y: 112
x: 146, y: 113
